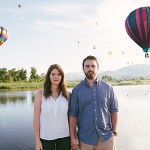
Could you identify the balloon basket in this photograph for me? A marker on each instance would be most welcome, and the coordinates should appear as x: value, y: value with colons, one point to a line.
x: 146, y: 55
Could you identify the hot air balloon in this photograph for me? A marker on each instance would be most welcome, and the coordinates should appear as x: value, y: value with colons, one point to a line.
x: 94, y: 47
x: 137, y: 25
x: 122, y: 52
x: 110, y: 53
x: 19, y: 6
x: 3, y: 35
x: 96, y: 23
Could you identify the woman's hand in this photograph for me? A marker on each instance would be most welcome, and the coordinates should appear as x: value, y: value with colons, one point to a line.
x: 75, y: 144
x: 39, y: 145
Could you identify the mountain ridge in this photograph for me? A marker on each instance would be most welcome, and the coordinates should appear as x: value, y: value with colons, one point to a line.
x: 126, y: 73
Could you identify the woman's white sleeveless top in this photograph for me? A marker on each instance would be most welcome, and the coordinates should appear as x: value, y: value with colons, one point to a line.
x: 54, y: 118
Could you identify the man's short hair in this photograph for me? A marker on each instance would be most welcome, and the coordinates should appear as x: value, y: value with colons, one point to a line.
x: 91, y: 58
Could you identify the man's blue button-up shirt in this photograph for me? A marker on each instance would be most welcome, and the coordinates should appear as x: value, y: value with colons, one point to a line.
x: 92, y: 106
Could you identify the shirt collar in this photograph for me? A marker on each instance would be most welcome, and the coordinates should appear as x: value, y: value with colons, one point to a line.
x: 95, y: 82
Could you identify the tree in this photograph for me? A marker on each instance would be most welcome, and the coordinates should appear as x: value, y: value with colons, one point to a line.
x: 23, y: 74
x: 107, y: 78
x: 141, y: 78
x: 12, y: 74
x: 3, y: 75
x: 33, y: 73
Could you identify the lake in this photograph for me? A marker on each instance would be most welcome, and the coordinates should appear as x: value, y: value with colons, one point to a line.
x: 16, y: 115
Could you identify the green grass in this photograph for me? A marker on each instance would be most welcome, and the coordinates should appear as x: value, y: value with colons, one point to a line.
x: 20, y: 86
x: 130, y: 82
x: 39, y: 85
x: 28, y: 86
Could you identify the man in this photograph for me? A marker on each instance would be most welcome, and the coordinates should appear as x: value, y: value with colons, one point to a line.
x: 93, y: 111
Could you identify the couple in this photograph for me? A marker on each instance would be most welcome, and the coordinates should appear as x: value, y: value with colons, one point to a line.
x: 93, y: 112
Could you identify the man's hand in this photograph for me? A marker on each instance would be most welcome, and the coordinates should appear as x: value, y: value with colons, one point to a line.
x: 75, y: 144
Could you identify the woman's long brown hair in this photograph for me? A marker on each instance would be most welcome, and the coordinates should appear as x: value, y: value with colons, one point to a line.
x: 47, y: 83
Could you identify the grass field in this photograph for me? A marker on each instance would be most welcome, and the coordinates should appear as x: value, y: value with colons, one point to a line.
x: 28, y: 86
x: 39, y: 85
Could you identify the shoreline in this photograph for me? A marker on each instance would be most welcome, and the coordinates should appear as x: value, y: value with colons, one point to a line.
x: 70, y: 84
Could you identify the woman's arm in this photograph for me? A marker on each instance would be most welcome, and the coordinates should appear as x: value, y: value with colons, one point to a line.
x: 36, y: 119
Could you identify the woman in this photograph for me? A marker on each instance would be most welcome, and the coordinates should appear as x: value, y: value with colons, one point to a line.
x: 50, y: 119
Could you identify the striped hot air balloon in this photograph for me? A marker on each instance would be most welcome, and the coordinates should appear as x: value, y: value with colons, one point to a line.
x: 137, y: 25
x: 3, y: 35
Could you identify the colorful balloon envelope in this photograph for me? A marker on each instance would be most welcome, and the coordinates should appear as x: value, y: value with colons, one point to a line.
x: 3, y: 35
x: 137, y: 25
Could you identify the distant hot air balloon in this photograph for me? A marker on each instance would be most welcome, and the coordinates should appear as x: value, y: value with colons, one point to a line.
x: 96, y: 23
x: 3, y: 35
x: 137, y: 25
x: 94, y: 47
x: 110, y: 52
x: 19, y: 6
x: 122, y: 52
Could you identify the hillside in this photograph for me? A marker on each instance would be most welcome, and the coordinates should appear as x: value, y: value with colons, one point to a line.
x: 126, y: 73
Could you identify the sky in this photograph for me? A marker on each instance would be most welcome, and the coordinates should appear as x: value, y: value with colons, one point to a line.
x: 44, y: 32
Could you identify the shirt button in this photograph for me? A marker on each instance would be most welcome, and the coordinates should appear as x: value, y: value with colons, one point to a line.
x: 95, y: 109
x: 96, y: 118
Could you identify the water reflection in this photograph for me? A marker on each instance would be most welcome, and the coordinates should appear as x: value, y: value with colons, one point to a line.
x: 3, y: 99
x: 12, y: 99
x: 33, y: 97
x: 16, y: 115
x: 16, y: 119
x: 17, y: 97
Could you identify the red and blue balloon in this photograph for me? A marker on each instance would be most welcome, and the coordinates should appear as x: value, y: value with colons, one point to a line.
x: 137, y: 25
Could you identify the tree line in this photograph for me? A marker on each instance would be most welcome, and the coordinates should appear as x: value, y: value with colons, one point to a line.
x: 13, y: 75
x: 20, y: 75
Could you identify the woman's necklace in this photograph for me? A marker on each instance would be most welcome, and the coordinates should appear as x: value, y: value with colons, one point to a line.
x: 55, y: 95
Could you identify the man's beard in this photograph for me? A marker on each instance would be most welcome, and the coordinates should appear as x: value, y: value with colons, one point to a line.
x: 90, y: 75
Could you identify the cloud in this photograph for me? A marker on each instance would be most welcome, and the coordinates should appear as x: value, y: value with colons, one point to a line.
x: 68, y: 16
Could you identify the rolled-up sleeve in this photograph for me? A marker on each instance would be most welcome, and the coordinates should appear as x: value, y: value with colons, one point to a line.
x: 113, y: 101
